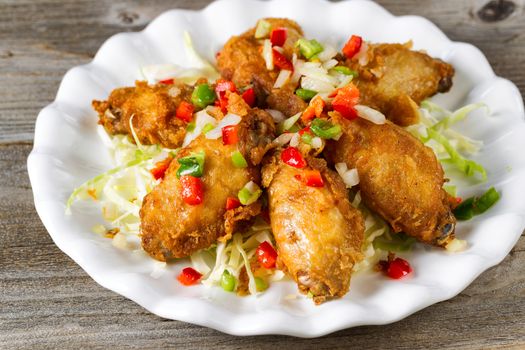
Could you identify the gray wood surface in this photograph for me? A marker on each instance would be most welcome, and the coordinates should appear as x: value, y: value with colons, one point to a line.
x: 47, y: 301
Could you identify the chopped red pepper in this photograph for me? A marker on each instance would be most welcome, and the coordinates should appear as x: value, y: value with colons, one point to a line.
x: 459, y: 200
x: 313, y: 178
x: 280, y: 61
x: 192, y: 189
x: 278, y: 36
x: 160, y: 168
x: 222, y: 103
x: 189, y: 276
x: 345, y: 99
x: 266, y: 255
x: 304, y: 131
x: 314, y: 109
x: 223, y: 85
x: 352, y: 46
x: 229, y: 135
x: 167, y: 81
x: 395, y: 267
x: 293, y: 157
x: 249, y: 97
x: 185, y: 111
x: 232, y: 203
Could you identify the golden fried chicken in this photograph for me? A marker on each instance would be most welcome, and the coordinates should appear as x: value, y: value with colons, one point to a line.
x: 396, y: 79
x: 153, y: 109
x: 400, y: 178
x: 317, y: 231
x: 172, y: 228
x: 241, y: 61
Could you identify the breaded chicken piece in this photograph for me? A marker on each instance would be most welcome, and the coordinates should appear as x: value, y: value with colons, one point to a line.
x: 318, y: 233
x: 396, y: 79
x: 153, y: 108
x: 170, y: 228
x: 400, y: 178
x: 241, y: 61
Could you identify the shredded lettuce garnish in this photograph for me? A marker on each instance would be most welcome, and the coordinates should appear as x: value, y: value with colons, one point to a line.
x: 435, y: 131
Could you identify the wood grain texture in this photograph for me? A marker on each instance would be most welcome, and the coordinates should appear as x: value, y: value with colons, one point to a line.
x: 47, y: 301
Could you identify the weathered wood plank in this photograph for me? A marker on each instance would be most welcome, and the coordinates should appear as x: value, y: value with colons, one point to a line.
x: 47, y: 301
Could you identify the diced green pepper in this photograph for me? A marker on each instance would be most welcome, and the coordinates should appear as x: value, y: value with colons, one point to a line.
x: 325, y: 129
x: 476, y: 205
x: 227, y: 281
x: 346, y: 71
x: 309, y: 48
x: 305, y: 94
x: 203, y: 95
x: 260, y: 284
x: 238, y: 160
x: 191, y: 165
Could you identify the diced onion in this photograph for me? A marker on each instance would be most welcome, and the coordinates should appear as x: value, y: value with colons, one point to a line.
x: 370, y: 114
x: 282, y: 78
x: 283, y: 139
x: 328, y: 53
x: 316, y: 85
x: 362, y: 55
x: 120, y: 241
x: 294, y: 142
x: 330, y: 64
x: 456, y: 245
x: 263, y: 29
x: 317, y: 142
x: 350, y: 176
x: 159, y: 268
x: 229, y: 119
x: 268, y: 54
x: 201, y: 119
x: 277, y: 116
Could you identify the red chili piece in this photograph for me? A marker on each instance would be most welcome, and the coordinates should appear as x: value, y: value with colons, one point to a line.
x: 278, y: 36
x: 280, y: 61
x: 398, y: 268
x: 313, y: 178
x: 167, y: 81
x: 192, y: 190
x: 229, y: 135
x: 249, y: 97
x: 293, y: 157
x: 185, y: 111
x: 352, y: 46
x: 189, y: 276
x: 232, y: 203
x: 344, y: 101
x: 266, y: 255
x: 160, y: 168
x: 304, y: 131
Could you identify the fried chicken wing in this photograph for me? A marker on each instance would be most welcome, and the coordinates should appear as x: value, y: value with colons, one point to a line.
x: 241, y: 61
x: 396, y: 79
x: 171, y: 228
x: 153, y: 109
x: 317, y: 231
x: 400, y: 178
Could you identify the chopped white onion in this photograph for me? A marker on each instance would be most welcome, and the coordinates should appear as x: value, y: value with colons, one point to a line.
x: 229, y: 119
x: 201, y: 119
x: 252, y: 187
x: 283, y: 139
x: 456, y: 245
x: 120, y: 241
x: 330, y: 64
x: 174, y: 91
x: 316, y: 85
x: 157, y: 72
x: 294, y: 142
x: 370, y: 114
x: 362, y: 55
x: 278, y: 49
x: 350, y: 177
x: 159, y: 268
x: 328, y: 53
x: 268, y: 54
x: 282, y: 78
x: 317, y: 142
x: 277, y: 116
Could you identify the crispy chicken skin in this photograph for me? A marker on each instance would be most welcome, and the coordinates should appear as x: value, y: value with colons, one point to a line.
x: 170, y: 228
x: 400, y: 178
x: 153, y: 109
x: 396, y: 79
x: 317, y: 231
x: 241, y: 61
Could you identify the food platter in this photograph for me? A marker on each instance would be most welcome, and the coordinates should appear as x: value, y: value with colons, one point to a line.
x: 67, y: 151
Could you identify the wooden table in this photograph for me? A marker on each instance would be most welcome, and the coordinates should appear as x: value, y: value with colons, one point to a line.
x: 47, y: 301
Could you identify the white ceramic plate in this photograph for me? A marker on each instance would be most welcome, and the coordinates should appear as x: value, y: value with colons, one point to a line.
x: 67, y: 151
